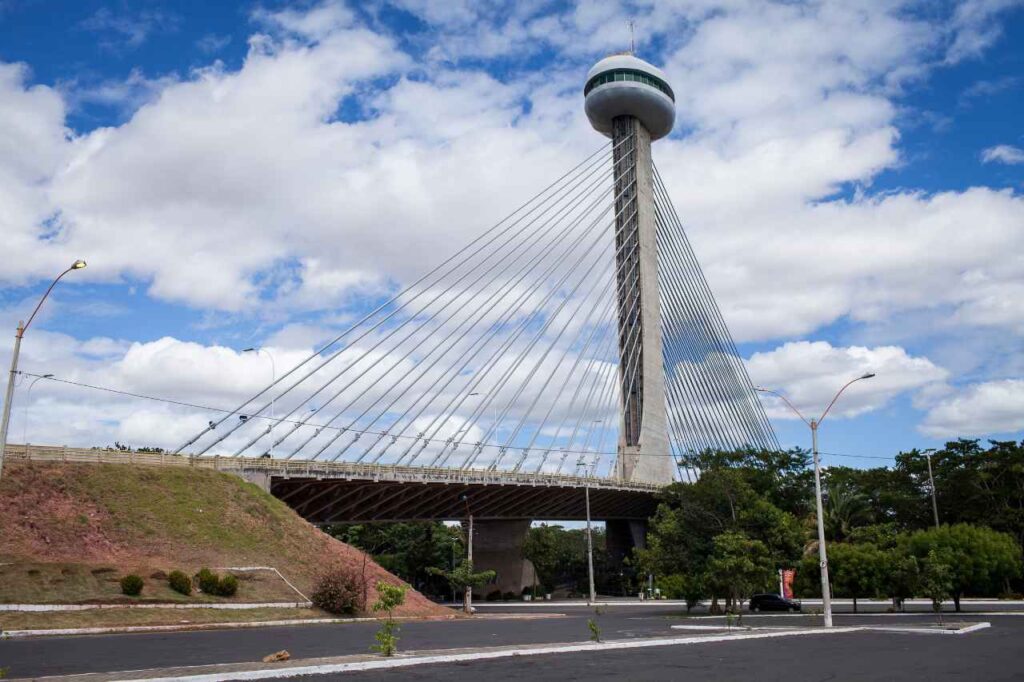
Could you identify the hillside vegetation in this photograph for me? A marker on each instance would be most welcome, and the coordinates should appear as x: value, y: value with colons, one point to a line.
x: 70, y: 531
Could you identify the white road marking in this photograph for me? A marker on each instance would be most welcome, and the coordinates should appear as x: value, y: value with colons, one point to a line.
x: 402, y: 662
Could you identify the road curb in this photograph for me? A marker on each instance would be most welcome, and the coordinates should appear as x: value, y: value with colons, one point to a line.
x: 129, y: 629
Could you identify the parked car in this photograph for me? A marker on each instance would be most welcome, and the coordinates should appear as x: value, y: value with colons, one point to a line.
x: 772, y: 602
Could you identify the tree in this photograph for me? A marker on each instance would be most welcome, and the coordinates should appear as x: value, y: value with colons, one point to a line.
x: 981, y: 560
x: 559, y: 555
x: 739, y: 566
x: 689, y: 587
x: 463, y: 576
x: 408, y: 550
x: 845, y: 510
x: 902, y: 576
x: 937, y: 579
x: 389, y: 598
x: 856, y: 570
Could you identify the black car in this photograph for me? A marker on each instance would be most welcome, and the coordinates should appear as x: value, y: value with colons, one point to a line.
x: 772, y: 602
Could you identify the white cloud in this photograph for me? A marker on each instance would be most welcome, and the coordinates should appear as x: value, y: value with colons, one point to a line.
x: 131, y: 29
x: 254, y: 190
x: 975, y: 27
x: 984, y: 409
x: 810, y: 373
x: 1003, y: 153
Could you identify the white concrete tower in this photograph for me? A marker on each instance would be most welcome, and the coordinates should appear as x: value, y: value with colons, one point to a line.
x: 630, y: 101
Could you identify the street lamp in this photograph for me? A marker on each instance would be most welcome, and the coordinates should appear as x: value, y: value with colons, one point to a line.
x: 467, y: 600
x: 495, y: 427
x: 590, y: 548
x: 273, y: 380
x: 931, y: 481
x: 18, y: 335
x: 826, y: 597
x: 28, y: 402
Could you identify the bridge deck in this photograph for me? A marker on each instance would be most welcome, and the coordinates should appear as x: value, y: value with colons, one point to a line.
x: 326, y: 492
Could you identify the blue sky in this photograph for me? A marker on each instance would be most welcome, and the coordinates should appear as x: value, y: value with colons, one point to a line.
x: 850, y: 174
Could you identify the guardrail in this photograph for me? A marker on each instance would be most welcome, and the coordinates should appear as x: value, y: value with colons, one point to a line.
x: 314, y: 469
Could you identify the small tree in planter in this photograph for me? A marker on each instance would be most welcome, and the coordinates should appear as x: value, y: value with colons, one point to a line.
x: 389, y: 598
x: 462, y: 576
x: 937, y: 581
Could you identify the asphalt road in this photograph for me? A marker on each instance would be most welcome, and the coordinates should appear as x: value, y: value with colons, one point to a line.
x: 106, y: 653
x: 992, y: 655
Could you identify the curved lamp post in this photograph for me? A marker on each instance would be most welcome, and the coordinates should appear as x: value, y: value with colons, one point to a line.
x: 826, y: 597
x: 18, y: 335
x: 28, y: 402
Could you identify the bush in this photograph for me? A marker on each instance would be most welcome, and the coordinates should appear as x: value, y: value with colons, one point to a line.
x: 180, y: 582
x: 228, y: 586
x: 509, y: 596
x: 207, y: 581
x: 131, y: 585
x: 339, y: 591
x: 211, y: 583
x: 493, y: 595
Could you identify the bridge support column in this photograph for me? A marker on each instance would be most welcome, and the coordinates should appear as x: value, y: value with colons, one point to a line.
x: 498, y: 547
x: 622, y: 537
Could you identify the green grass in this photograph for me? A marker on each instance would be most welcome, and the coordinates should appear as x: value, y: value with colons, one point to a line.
x: 69, y: 583
x: 135, y: 617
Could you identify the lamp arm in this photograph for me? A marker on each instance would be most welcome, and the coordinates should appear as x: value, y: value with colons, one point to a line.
x: 24, y: 327
x: 785, y: 400
x: 847, y: 385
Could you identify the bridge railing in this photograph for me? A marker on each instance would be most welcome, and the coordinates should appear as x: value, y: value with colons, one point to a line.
x: 300, y: 468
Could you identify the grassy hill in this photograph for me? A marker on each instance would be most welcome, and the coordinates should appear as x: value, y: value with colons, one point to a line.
x: 70, y: 531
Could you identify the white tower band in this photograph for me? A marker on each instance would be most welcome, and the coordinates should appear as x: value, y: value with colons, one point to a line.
x: 630, y: 101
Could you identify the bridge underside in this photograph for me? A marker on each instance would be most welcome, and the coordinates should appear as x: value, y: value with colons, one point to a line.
x: 323, y: 501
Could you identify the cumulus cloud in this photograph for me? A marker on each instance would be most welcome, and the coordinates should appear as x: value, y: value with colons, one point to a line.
x: 810, y: 373
x: 333, y: 165
x: 986, y: 408
x: 1003, y: 153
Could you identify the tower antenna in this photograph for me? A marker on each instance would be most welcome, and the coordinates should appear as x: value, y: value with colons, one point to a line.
x: 632, y: 37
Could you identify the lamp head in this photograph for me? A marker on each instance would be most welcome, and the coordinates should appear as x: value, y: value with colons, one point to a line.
x: 869, y: 375
x: 78, y: 264
x: 248, y: 350
x: 47, y: 376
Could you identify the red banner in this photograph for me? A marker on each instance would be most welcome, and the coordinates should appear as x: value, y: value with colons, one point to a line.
x: 787, y: 582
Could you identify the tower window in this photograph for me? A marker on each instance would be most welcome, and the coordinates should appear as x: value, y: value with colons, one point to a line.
x: 632, y: 75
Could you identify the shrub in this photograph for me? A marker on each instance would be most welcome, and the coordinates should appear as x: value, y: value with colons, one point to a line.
x: 207, y: 581
x: 131, y: 585
x: 212, y: 583
x: 339, y: 591
x: 180, y: 582
x: 508, y: 596
x: 228, y: 586
x: 493, y: 595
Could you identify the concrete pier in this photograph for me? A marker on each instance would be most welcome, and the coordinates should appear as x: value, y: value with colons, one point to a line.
x: 498, y: 546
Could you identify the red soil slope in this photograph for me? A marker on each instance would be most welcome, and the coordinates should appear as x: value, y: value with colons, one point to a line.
x: 133, y: 518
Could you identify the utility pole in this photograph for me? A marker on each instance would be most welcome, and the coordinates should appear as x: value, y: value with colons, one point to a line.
x: 590, y: 550
x: 931, y: 481
x: 467, y: 601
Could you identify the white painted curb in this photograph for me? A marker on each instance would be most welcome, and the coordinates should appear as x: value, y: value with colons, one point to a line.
x: 40, y: 608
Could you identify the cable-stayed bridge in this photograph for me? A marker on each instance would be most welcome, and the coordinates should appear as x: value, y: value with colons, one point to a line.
x: 574, y: 344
